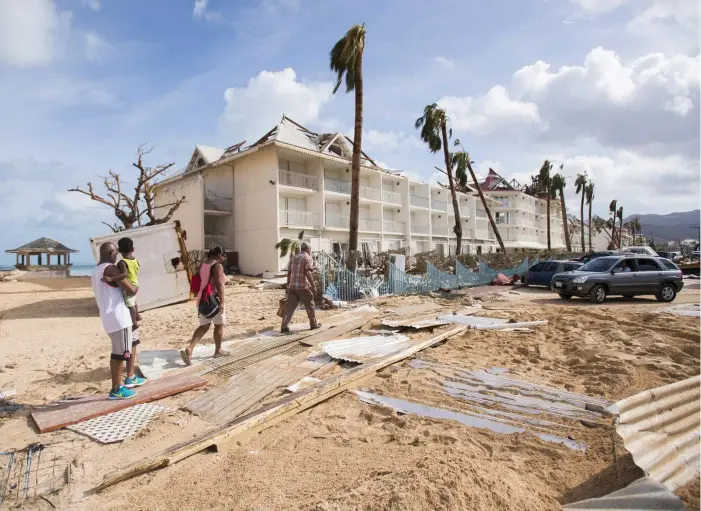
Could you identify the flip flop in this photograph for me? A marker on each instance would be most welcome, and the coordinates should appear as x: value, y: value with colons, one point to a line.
x: 186, y: 357
x: 222, y: 354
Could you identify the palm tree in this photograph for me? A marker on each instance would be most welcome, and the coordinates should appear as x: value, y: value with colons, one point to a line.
x: 545, y: 187
x: 462, y: 161
x: 434, y: 131
x: 637, y: 229
x: 581, y: 184
x: 559, y: 184
x: 289, y: 245
x: 612, y: 210
x: 346, y: 58
x: 590, y: 198
x: 620, y: 225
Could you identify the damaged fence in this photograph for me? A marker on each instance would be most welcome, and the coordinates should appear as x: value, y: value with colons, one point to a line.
x: 340, y: 283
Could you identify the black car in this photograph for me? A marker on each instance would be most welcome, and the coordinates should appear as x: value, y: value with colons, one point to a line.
x: 540, y: 274
x: 595, y: 255
x: 625, y: 275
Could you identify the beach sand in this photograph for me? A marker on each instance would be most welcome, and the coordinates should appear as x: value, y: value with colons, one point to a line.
x: 344, y: 454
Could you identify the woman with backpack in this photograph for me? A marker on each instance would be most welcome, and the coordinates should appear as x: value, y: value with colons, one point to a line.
x: 208, y: 284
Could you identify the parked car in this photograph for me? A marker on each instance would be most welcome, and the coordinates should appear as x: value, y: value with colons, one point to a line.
x: 642, y: 250
x: 625, y: 275
x: 540, y: 274
x: 595, y: 255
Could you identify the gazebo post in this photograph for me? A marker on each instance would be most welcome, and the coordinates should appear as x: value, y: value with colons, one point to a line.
x: 39, y: 256
x: 17, y: 258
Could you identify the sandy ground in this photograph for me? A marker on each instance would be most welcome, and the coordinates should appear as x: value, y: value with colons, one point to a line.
x: 344, y: 454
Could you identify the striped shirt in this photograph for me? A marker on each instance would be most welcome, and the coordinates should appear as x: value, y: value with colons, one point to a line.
x: 301, y: 266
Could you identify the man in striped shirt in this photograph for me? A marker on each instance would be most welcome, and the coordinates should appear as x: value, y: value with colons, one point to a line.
x: 300, y: 288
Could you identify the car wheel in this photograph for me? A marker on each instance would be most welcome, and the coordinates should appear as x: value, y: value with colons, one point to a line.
x: 667, y: 293
x: 524, y: 281
x: 597, y: 294
x: 564, y: 296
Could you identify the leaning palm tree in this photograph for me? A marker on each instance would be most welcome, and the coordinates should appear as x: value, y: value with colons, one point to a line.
x: 545, y: 187
x: 462, y: 161
x: 559, y: 184
x: 434, y: 131
x: 346, y: 59
x: 619, y: 214
x: 590, y: 198
x: 581, y: 184
x: 290, y: 246
x: 612, y: 210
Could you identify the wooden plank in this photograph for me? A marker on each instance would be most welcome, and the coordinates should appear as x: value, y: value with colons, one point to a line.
x: 336, y: 331
x: 267, y: 416
x: 416, y: 309
x: 63, y: 415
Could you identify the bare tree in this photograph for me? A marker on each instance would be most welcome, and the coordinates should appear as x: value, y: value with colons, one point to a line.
x: 130, y: 209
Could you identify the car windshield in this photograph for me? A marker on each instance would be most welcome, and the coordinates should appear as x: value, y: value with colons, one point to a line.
x: 599, y: 264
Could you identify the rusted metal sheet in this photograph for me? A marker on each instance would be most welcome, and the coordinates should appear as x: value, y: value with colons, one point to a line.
x: 363, y: 349
x: 642, y: 495
x: 660, y: 428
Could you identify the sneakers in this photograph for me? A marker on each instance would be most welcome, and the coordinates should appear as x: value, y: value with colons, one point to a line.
x: 134, y: 381
x: 122, y: 393
x: 285, y: 330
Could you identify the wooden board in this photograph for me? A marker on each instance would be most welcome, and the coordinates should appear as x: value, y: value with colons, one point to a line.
x: 416, y: 309
x: 268, y: 416
x: 336, y: 331
x: 60, y: 416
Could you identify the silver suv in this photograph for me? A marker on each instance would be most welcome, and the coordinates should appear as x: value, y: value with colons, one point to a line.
x: 626, y: 275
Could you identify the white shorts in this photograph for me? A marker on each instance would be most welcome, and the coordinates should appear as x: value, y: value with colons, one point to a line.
x: 217, y: 320
x: 123, y: 342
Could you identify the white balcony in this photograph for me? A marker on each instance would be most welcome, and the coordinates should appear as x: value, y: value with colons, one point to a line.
x: 392, y: 197
x: 420, y: 228
x: 389, y: 226
x: 440, y: 230
x: 439, y: 205
x: 369, y: 224
x: 214, y: 205
x: 294, y: 218
x: 297, y: 180
x: 483, y: 234
x: 369, y: 193
x: 337, y: 221
x: 215, y: 240
x: 480, y: 213
x: 418, y: 201
x: 337, y: 186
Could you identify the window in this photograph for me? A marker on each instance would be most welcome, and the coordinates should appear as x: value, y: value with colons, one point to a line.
x: 283, y: 165
x: 648, y: 265
x: 550, y: 266
x: 537, y: 267
x: 669, y: 265
x: 571, y: 267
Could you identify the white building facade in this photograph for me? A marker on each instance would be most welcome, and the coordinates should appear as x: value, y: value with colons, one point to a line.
x: 294, y: 180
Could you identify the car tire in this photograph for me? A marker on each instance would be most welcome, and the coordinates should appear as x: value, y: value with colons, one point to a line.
x: 524, y: 281
x: 564, y: 296
x: 597, y: 294
x: 667, y: 293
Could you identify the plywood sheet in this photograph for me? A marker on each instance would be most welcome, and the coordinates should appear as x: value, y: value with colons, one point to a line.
x: 65, y: 414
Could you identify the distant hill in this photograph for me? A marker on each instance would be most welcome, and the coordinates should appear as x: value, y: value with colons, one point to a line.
x: 672, y: 227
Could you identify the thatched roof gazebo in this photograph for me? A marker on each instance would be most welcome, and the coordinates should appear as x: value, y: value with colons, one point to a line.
x: 39, y: 248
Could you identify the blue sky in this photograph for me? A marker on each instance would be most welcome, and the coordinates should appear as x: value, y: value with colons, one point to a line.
x: 606, y: 86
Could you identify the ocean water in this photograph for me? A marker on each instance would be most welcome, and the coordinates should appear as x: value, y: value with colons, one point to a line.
x: 77, y: 270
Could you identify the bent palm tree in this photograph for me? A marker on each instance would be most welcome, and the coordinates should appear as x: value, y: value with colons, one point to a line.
x: 434, y: 131
x: 545, y: 187
x: 346, y: 59
x: 462, y: 161
x: 590, y: 198
x: 612, y: 210
x: 620, y: 225
x: 581, y: 184
x: 559, y: 185
x: 290, y: 246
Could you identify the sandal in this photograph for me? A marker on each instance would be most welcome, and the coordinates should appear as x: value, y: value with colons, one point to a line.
x: 222, y: 354
x: 186, y: 357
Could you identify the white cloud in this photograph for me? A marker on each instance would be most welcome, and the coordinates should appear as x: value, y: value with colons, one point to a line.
x: 388, y: 140
x: 28, y: 31
x: 200, y: 8
x: 252, y: 110
x: 95, y: 5
x: 494, y: 112
x: 95, y: 46
x: 444, y: 62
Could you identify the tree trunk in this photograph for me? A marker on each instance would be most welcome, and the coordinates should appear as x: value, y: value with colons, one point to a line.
x: 486, y: 208
x: 581, y: 219
x: 620, y: 230
x: 451, y: 182
x: 590, y: 227
x: 355, y: 165
x: 547, y: 212
x: 564, y: 220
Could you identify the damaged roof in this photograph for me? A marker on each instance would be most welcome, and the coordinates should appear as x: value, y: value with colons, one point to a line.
x: 43, y: 245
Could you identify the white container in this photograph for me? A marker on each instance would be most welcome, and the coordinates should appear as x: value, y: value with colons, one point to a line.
x: 156, y: 247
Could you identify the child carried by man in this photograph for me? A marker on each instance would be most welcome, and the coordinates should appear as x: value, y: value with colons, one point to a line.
x: 128, y: 269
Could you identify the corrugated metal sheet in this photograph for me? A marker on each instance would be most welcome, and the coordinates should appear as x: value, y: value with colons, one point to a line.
x: 363, y: 349
x: 660, y: 428
x: 472, y: 321
x: 415, y: 323
x: 642, y: 495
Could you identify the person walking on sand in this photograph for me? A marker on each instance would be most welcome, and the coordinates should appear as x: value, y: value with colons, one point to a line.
x: 116, y: 321
x: 212, y: 279
x: 300, y: 288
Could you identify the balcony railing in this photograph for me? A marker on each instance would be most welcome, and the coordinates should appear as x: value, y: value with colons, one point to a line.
x: 439, y: 205
x: 287, y: 178
x: 440, y: 230
x: 337, y: 221
x: 483, y: 234
x: 299, y: 218
x: 501, y: 220
x: 480, y: 213
x: 390, y: 226
x: 212, y: 203
x: 417, y: 200
x: 369, y: 193
x: 337, y: 186
x: 369, y: 224
x: 392, y: 197
x: 215, y: 240
x: 420, y: 228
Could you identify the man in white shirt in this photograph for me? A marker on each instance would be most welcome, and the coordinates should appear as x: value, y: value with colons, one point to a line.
x: 116, y: 321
